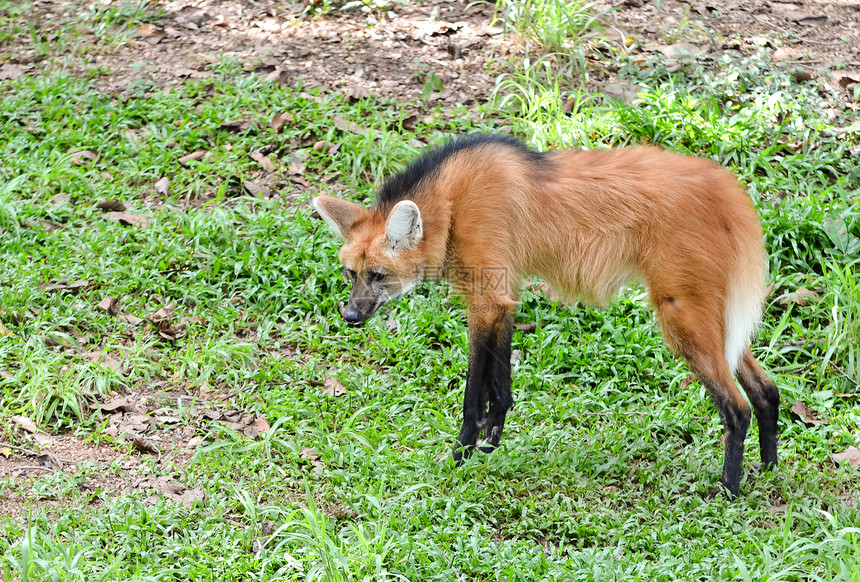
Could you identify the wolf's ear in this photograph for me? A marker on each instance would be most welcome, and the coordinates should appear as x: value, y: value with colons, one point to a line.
x: 403, y: 229
x: 340, y: 215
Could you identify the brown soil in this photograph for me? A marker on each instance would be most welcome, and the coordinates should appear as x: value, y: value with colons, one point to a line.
x: 358, y: 54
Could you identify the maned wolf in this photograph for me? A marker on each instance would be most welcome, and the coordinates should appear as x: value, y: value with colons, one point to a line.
x: 485, y: 210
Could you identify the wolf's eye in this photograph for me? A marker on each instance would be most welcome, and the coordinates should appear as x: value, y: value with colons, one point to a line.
x: 349, y: 276
x: 376, y: 276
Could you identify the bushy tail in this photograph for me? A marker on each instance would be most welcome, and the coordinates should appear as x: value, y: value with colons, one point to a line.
x: 744, y: 303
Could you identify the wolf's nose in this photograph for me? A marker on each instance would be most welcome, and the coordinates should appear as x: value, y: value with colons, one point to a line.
x: 351, y: 315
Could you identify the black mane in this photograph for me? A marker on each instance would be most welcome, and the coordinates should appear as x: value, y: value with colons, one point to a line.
x: 402, y: 185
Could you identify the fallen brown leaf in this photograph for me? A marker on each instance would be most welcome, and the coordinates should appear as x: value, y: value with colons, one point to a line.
x: 267, y: 528
x: 171, y: 332
x: 162, y: 314
x: 26, y: 424
x: 50, y: 461
x: 333, y: 387
x: 112, y: 206
x: 344, y: 124
x: 194, y: 156
x: 144, y: 444
x: 82, y: 157
x: 279, y: 120
x: 110, y: 305
x: 103, y: 359
x: 237, y: 125
x: 130, y: 319
x: 46, y: 225
x: 128, y: 219
x: 805, y: 414
x: 178, y: 492
x: 679, y: 49
x: 851, y: 454
x: 801, y: 297
x: 68, y: 287
x: 60, y: 199
x: 118, y: 404
x: 12, y: 71
x: 255, y: 189
x: 146, y: 29
x: 280, y: 76
x: 163, y: 186
x: 311, y: 456
x: 259, y: 426
x: 264, y: 160
x: 807, y: 19
x: 778, y: 508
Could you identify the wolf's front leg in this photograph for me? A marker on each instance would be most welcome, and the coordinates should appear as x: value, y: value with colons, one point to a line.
x: 488, y: 384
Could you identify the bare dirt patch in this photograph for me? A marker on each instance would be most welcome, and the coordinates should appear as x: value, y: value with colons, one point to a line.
x: 147, y: 440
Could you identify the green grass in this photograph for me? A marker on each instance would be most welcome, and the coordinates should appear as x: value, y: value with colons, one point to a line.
x: 607, y: 462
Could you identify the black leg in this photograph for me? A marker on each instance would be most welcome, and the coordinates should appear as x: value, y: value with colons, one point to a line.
x: 735, y: 416
x: 500, y: 397
x: 488, y: 385
x: 764, y: 396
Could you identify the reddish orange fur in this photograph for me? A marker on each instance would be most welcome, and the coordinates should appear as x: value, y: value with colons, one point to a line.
x: 588, y: 222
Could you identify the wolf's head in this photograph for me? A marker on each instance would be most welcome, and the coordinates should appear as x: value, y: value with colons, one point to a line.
x: 380, y: 255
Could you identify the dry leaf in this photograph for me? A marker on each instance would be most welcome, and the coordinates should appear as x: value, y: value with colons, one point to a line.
x: 68, y: 287
x: 259, y: 426
x: 680, y: 49
x: 46, y: 225
x: 280, y: 76
x: 103, y: 359
x: 624, y: 92
x: 118, y: 404
x: 258, y: 190
x: 50, y: 461
x: 112, y: 206
x: 237, y: 125
x: 163, y: 186
x: 685, y: 383
x: 147, y: 29
x: 279, y: 120
x: 344, y: 124
x: 26, y: 424
x: 110, y: 305
x: 806, y: 415
x: 265, y: 161
x: 333, y: 387
x: 162, y: 314
x: 851, y: 454
x: 804, y: 19
x: 313, y: 457
x: 130, y: 319
x: 267, y: 528
x: 801, y: 297
x: 60, y: 199
x: 356, y: 92
x: 170, y: 332
x: 12, y: 71
x: 128, y: 219
x: 6, y: 373
x: 144, y: 444
x: 526, y: 327
x: 194, y: 156
x: 192, y: 495
x: 81, y: 157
